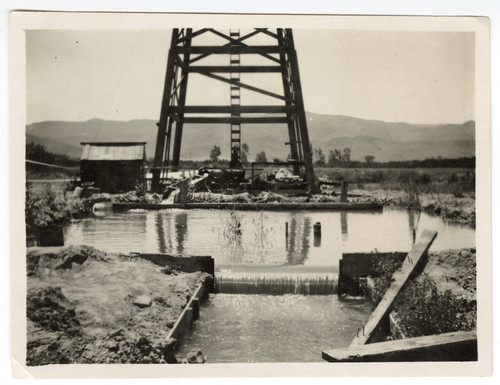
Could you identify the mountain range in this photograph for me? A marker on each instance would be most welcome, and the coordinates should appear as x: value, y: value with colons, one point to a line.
x: 386, y: 141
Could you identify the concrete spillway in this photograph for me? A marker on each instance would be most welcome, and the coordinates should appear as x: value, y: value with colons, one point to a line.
x: 276, y: 285
x: 306, y: 280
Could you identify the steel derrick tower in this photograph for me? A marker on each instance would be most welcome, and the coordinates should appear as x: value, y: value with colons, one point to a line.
x: 185, y: 59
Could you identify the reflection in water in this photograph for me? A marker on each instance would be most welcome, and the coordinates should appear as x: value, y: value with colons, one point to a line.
x: 166, y: 227
x: 231, y: 237
x: 290, y: 242
x: 343, y: 225
x: 161, y: 233
x: 261, y: 237
x: 181, y: 230
x: 413, y: 219
x: 317, y: 240
x: 299, y: 241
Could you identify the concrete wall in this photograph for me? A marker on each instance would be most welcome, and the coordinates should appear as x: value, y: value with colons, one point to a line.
x: 353, y: 266
x: 185, y: 264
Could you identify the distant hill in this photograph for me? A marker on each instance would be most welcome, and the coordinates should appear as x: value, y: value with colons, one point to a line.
x: 386, y: 141
x: 55, y: 146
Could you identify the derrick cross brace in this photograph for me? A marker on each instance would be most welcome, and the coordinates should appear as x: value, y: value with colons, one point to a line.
x: 185, y: 60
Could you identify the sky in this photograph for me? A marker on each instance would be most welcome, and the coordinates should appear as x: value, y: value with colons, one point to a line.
x: 394, y: 76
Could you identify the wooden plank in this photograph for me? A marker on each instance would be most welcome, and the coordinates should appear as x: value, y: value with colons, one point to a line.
x: 230, y: 109
x: 456, y: 346
x: 375, y: 206
x: 233, y: 41
x: 239, y: 41
x: 194, y: 34
x: 238, y: 69
x: 185, y: 320
x: 51, y: 165
x: 235, y: 119
x: 242, y: 85
x: 226, y: 49
x: 414, y: 258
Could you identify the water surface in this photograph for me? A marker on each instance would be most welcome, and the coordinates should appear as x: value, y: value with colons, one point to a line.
x: 258, y: 237
x: 265, y: 328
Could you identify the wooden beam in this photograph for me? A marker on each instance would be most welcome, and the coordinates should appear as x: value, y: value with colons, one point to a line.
x: 235, y: 119
x: 242, y: 85
x: 231, y: 43
x: 456, y: 346
x: 333, y: 206
x: 241, y: 69
x: 231, y: 109
x: 234, y: 41
x: 265, y: 31
x: 414, y: 259
x: 217, y: 49
x: 194, y: 34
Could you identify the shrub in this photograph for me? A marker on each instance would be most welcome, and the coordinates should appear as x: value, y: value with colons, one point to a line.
x: 423, y: 310
x: 453, y: 178
x: 44, y: 210
x: 383, y: 267
x: 407, y: 176
x: 423, y: 178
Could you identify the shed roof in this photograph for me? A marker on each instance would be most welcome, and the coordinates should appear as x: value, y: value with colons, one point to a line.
x: 113, y: 151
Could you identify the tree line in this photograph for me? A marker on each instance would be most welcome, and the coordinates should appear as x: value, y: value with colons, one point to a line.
x: 38, y: 153
x: 342, y: 158
x: 215, y: 152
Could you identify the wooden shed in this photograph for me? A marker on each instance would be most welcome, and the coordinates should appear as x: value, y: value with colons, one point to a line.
x: 113, y: 167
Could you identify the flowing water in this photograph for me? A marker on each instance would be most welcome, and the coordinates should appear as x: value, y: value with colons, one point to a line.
x: 268, y: 328
x: 265, y: 328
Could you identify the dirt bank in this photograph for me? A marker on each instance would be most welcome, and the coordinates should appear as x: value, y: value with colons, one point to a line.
x: 455, y: 208
x: 441, y: 299
x: 80, y: 306
x: 448, y: 206
x: 452, y: 208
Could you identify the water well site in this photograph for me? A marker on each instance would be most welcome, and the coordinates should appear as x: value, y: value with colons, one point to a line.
x: 296, y: 258
x: 133, y: 282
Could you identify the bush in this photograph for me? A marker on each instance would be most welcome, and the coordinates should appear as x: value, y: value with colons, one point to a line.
x: 453, y: 178
x: 407, y: 176
x: 422, y: 310
x: 423, y: 179
x: 383, y: 267
x: 43, y: 211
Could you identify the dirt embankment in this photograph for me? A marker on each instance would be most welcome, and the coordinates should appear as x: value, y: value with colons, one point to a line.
x: 458, y: 208
x: 80, y: 307
x: 441, y: 299
x: 128, y: 197
x: 454, y: 209
x: 447, y: 206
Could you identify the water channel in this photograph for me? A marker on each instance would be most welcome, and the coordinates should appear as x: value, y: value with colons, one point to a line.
x: 267, y: 328
x: 258, y: 237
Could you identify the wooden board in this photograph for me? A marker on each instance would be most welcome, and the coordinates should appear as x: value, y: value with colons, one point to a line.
x: 341, y: 206
x: 415, y: 258
x: 456, y: 346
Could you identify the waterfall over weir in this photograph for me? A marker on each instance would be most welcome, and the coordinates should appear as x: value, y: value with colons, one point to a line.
x: 276, y: 283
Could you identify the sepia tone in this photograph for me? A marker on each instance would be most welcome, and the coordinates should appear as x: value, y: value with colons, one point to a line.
x: 230, y: 195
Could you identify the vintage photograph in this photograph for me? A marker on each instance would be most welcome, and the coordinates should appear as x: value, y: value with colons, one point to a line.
x: 201, y: 191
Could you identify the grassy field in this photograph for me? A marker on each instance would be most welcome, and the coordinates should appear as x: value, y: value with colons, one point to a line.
x: 428, y: 180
